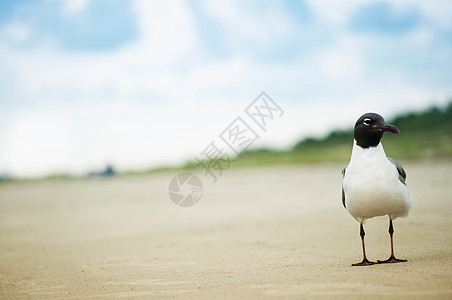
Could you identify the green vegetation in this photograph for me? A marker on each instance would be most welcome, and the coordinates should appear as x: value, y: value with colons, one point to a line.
x: 423, y: 134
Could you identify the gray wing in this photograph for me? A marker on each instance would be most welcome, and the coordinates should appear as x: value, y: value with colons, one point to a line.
x: 343, y: 194
x: 400, y: 170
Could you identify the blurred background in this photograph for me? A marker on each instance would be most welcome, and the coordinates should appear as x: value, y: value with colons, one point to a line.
x: 90, y: 89
x: 103, y: 86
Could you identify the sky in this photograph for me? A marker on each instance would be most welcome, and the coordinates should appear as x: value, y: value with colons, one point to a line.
x: 140, y: 84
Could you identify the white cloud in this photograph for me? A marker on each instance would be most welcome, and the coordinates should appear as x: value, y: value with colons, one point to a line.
x: 167, y: 30
x: 345, y: 61
x: 15, y: 33
x: 36, y: 143
x: 335, y: 13
x: 86, y: 136
x: 74, y: 6
x: 163, y: 98
x: 338, y: 13
x: 245, y: 22
x: 438, y: 12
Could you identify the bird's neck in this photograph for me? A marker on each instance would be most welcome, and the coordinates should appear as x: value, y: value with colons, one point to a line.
x: 376, y: 153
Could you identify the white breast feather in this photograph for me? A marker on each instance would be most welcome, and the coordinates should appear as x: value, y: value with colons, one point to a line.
x: 372, y: 187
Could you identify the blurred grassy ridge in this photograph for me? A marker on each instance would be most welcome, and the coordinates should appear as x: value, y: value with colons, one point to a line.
x: 423, y: 134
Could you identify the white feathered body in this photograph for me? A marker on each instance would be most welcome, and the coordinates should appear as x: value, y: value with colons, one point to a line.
x: 372, y: 187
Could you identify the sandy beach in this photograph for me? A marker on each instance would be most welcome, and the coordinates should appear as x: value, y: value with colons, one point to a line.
x: 270, y: 232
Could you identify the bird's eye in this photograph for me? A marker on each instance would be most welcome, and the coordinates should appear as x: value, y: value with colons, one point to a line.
x: 367, y: 121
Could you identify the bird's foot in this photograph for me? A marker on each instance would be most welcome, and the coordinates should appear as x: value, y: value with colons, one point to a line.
x: 365, y: 262
x: 390, y: 260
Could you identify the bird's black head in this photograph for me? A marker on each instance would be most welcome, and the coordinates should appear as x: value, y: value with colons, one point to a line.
x: 369, y: 130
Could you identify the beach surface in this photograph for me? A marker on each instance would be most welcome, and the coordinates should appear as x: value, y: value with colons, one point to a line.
x: 268, y: 232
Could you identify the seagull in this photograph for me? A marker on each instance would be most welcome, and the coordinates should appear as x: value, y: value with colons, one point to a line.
x: 374, y: 184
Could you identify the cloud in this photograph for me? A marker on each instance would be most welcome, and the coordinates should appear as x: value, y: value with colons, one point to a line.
x: 85, y: 136
x: 75, y: 25
x: 15, y: 33
x: 163, y: 95
x: 437, y: 12
x: 167, y: 30
x: 74, y: 6
x: 382, y: 17
x: 343, y: 62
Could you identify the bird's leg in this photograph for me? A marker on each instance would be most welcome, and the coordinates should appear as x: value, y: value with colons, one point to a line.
x: 392, y: 258
x: 365, y: 262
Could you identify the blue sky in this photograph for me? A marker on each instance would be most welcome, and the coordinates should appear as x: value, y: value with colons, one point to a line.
x: 143, y: 83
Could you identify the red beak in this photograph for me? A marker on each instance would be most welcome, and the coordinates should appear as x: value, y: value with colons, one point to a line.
x: 390, y: 128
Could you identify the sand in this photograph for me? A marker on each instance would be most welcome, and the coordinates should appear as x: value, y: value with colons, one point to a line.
x: 270, y: 232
